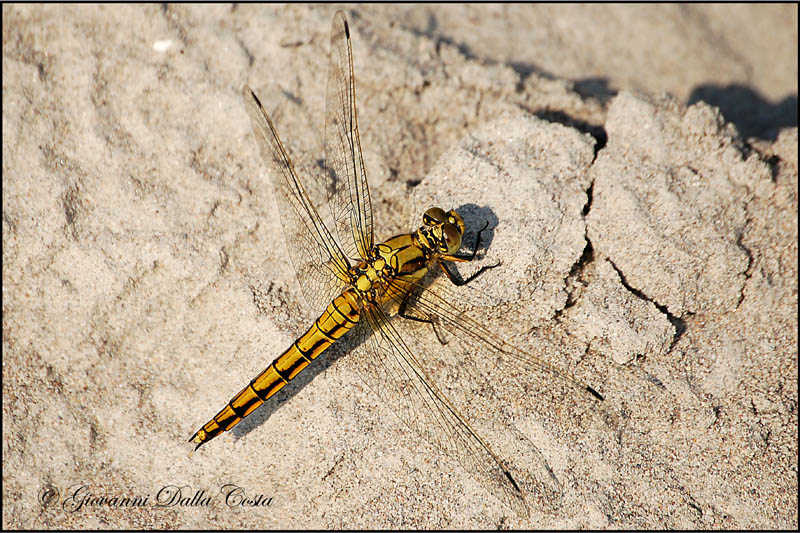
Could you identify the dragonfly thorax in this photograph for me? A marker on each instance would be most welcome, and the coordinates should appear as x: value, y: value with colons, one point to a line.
x: 372, y: 274
x: 441, y: 231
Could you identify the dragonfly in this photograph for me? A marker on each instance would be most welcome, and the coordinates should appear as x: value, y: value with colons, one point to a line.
x: 364, y: 288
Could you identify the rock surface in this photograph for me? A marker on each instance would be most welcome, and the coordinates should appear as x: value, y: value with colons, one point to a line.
x: 648, y: 246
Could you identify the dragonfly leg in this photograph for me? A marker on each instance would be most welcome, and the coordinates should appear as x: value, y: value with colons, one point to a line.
x: 470, y: 257
x: 402, y: 312
x: 456, y: 280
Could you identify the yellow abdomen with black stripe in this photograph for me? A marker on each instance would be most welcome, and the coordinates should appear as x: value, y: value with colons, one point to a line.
x: 339, y: 317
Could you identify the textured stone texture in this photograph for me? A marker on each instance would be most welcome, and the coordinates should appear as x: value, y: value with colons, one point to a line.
x: 648, y: 247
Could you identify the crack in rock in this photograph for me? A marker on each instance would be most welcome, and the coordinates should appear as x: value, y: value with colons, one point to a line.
x: 677, y: 322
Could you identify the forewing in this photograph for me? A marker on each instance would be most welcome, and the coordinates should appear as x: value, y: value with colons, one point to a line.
x: 389, y: 368
x: 348, y: 192
x: 320, y: 264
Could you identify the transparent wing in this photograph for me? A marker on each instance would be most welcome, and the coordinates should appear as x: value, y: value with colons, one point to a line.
x: 388, y: 367
x: 319, y: 262
x: 558, y: 390
x: 569, y: 408
x: 348, y: 192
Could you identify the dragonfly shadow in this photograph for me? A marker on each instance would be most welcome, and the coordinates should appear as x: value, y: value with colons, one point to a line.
x: 273, y: 404
x: 475, y: 217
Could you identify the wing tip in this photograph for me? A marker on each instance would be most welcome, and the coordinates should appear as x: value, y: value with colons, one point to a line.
x: 512, y: 480
x: 247, y: 92
x: 340, y: 17
x: 595, y: 393
x: 516, y: 500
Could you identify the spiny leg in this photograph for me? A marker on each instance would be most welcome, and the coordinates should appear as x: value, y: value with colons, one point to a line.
x: 456, y: 280
x: 475, y: 248
x: 402, y: 312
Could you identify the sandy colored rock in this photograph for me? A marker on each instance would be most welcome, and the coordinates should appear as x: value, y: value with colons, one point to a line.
x: 669, y: 203
x: 145, y: 279
x: 616, y: 322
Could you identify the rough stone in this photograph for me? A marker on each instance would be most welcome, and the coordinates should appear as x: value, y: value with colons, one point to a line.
x: 145, y: 279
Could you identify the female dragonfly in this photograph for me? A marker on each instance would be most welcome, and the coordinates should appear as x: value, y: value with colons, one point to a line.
x: 360, y: 296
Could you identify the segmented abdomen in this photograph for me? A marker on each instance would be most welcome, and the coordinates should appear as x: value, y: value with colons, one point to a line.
x: 338, y: 318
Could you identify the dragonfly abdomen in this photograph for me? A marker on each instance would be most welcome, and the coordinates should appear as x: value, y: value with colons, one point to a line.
x: 338, y: 318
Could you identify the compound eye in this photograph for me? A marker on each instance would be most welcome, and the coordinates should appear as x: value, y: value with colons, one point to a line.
x: 452, y: 238
x: 434, y: 216
x: 456, y: 220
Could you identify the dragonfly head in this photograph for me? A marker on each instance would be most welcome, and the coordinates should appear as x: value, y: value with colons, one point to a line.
x: 441, y: 230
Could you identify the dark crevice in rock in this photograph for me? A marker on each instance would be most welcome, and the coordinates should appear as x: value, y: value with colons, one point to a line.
x: 691, y: 502
x: 463, y: 49
x: 560, y: 117
x: 754, y: 146
x: 750, y: 260
x: 586, y: 258
x: 677, y: 322
x: 598, y: 132
x: 773, y: 162
x: 589, y: 197
x: 574, y: 276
